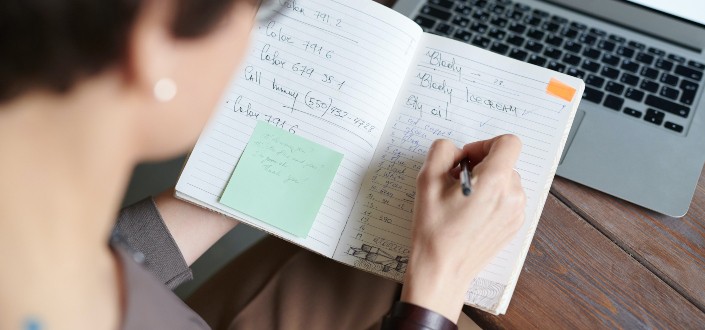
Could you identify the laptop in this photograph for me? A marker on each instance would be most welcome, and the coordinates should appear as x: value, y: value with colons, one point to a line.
x: 640, y: 131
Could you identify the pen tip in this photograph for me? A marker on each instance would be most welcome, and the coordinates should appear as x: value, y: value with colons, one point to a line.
x: 466, y: 191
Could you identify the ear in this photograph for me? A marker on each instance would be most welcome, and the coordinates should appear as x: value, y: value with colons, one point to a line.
x: 150, y: 50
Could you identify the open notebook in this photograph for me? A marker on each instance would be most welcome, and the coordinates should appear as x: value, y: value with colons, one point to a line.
x: 365, y: 81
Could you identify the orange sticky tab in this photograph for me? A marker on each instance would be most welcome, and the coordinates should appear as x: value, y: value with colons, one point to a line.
x: 560, y: 90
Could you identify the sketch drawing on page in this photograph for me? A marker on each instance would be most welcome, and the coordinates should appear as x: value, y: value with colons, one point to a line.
x: 375, y: 259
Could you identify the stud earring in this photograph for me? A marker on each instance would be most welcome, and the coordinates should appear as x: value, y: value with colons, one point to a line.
x: 165, y: 90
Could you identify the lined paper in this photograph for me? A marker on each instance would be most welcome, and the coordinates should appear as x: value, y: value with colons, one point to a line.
x: 321, y: 69
x: 465, y: 94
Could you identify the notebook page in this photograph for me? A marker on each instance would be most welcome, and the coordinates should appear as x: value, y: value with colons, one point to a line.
x: 462, y: 93
x: 321, y: 69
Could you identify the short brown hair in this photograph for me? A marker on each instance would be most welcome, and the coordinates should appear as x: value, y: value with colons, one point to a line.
x: 52, y: 44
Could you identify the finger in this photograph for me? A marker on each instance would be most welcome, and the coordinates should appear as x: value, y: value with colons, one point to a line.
x: 500, y: 153
x: 442, y: 157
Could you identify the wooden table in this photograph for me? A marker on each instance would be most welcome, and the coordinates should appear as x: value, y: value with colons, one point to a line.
x: 600, y: 262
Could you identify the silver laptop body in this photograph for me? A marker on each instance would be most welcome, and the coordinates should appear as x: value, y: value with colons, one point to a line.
x: 653, y: 159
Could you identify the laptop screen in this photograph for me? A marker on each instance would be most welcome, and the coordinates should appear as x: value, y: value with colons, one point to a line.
x: 691, y: 10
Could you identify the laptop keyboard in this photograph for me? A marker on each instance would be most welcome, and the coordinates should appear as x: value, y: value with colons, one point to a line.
x: 622, y: 75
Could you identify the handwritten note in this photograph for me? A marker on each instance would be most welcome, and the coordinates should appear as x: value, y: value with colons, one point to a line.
x: 320, y: 69
x: 464, y: 94
x: 282, y: 179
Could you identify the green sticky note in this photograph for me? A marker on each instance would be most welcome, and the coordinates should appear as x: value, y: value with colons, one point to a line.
x: 281, y: 179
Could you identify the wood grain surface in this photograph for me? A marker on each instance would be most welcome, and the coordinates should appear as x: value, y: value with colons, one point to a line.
x: 672, y: 248
x: 576, y: 278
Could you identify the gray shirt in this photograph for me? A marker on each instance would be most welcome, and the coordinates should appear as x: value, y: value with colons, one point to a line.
x: 151, y: 265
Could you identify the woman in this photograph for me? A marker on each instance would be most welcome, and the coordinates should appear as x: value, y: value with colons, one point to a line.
x: 90, y: 88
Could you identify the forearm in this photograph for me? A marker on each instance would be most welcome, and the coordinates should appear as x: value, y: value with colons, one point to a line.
x: 194, y: 229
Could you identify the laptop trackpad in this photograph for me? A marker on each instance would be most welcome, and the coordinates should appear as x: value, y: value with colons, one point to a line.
x: 579, y: 115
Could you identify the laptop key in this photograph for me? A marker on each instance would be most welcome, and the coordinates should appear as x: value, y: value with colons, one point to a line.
x: 550, y: 27
x: 697, y: 65
x: 514, y: 15
x: 496, y: 33
x: 649, y: 86
x: 648, y: 72
x: 634, y: 94
x: 606, y: 45
x: 610, y: 73
x: 481, y: 15
x: 625, y: 51
x: 592, y: 53
x: 676, y: 58
x: 478, y: 27
x: 587, y: 39
x: 689, y: 89
x: 629, y: 79
x: 498, y: 9
x: 571, y: 59
x: 613, y: 102
x: 461, y: 21
x: 425, y: 22
x: 593, y: 95
x: 673, y: 126
x: 576, y: 73
x: 591, y: 66
x: 517, y: 27
x: 554, y: 40
x: 669, y: 79
x: 499, y: 21
x: 688, y: 72
x: 518, y: 54
x: 669, y: 92
x: 637, y: 45
x: 444, y: 29
x: 553, y: 53
x: 656, y: 51
x: 569, y: 33
x: 533, y: 20
x: 537, y: 60
x: 499, y: 48
x: 464, y: 10
x: 594, y: 81
x: 578, y: 26
x: 481, y: 41
x: 688, y: 85
x: 572, y: 46
x: 516, y: 40
x: 533, y: 46
x: 480, y: 3
x: 644, y: 58
x: 654, y: 117
x: 463, y: 35
x: 541, y: 13
x: 437, y: 13
x: 559, y: 19
x: 555, y: 66
x: 610, y: 59
x: 443, y: 3
x: 535, y: 34
x: 614, y: 87
x: 630, y: 66
x: 662, y: 64
x: 617, y: 39
x: 521, y: 7
x: 598, y: 32
x: 632, y: 112
x: 666, y: 105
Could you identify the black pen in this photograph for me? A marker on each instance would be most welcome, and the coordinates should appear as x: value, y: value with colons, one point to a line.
x: 465, y: 177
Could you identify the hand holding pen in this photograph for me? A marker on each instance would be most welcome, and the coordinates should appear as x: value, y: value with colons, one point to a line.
x: 455, y: 235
